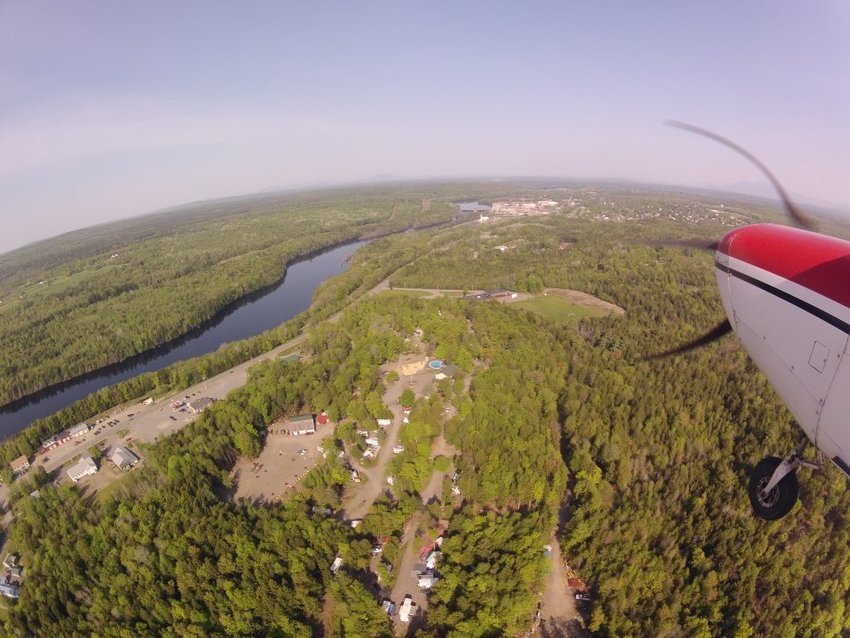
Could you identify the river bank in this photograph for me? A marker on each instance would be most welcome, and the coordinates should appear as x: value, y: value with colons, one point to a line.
x: 251, y: 315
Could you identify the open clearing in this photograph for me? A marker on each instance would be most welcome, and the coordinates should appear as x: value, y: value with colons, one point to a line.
x: 568, y: 306
x: 274, y: 474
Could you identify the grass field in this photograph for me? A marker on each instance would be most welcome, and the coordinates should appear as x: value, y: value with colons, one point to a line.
x: 560, y: 310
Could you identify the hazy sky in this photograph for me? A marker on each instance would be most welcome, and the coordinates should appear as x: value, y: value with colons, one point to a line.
x: 110, y: 109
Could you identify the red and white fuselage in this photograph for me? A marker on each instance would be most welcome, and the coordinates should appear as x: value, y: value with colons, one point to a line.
x: 787, y: 295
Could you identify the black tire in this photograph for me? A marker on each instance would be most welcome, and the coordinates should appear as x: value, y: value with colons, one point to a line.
x: 781, y: 499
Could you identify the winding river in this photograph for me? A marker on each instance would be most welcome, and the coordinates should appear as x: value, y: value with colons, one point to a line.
x: 245, y: 318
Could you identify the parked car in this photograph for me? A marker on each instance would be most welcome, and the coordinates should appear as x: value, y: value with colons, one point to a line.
x: 302, y: 451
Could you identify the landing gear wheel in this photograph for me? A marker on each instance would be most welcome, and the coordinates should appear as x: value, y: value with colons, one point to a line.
x: 779, y: 501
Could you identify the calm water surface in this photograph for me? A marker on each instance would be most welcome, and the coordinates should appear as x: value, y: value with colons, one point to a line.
x: 244, y: 319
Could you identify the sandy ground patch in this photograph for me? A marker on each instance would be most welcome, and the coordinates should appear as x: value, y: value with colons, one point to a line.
x: 276, y: 472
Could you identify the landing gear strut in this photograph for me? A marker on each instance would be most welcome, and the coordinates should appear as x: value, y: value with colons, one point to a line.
x: 773, y: 484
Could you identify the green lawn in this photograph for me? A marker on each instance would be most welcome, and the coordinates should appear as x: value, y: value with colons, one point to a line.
x: 560, y: 310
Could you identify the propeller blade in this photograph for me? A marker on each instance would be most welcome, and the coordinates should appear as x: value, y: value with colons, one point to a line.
x: 793, y: 212
x: 702, y: 244
x: 712, y: 335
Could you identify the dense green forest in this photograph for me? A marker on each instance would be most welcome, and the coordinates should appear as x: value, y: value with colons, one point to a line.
x: 122, y: 290
x: 651, y: 459
x: 370, y: 265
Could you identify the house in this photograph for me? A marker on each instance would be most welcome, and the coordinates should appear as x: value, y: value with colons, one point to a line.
x: 302, y: 424
x: 148, y: 401
x: 48, y: 444
x: 408, y: 609
x: 78, y: 430
x: 199, y: 405
x: 123, y: 458
x: 336, y: 565
x: 84, y: 467
x: 54, y: 441
x: 432, y: 558
x: 20, y: 465
x: 372, y: 442
x: 385, y: 422
x: 398, y: 449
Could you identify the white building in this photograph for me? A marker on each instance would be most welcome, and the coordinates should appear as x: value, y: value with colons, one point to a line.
x: 78, y: 430
x: 199, y: 405
x: 302, y: 424
x: 123, y: 458
x: 84, y: 467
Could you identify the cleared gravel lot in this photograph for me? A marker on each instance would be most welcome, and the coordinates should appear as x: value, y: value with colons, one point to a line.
x: 274, y: 474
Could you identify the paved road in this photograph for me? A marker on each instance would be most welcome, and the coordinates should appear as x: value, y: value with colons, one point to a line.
x: 150, y: 422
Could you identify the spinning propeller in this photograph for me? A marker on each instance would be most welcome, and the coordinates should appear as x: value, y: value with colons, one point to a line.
x: 791, y: 209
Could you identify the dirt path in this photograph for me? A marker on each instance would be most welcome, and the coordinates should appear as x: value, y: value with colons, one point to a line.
x: 406, y: 578
x: 559, y: 615
x: 358, y: 502
x: 559, y: 605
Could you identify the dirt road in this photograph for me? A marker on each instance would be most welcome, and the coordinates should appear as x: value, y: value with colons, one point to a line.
x: 559, y: 616
x: 361, y: 497
x: 406, y: 578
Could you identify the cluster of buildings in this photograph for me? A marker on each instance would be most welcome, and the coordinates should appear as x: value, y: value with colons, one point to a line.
x: 520, y: 207
x: 120, y: 456
x: 373, y: 444
x: 490, y: 295
x: 63, y: 437
x: 425, y: 572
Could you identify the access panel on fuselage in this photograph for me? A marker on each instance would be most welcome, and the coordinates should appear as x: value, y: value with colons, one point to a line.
x: 833, y: 435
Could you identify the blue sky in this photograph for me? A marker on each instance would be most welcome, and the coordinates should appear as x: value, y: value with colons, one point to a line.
x: 112, y: 109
